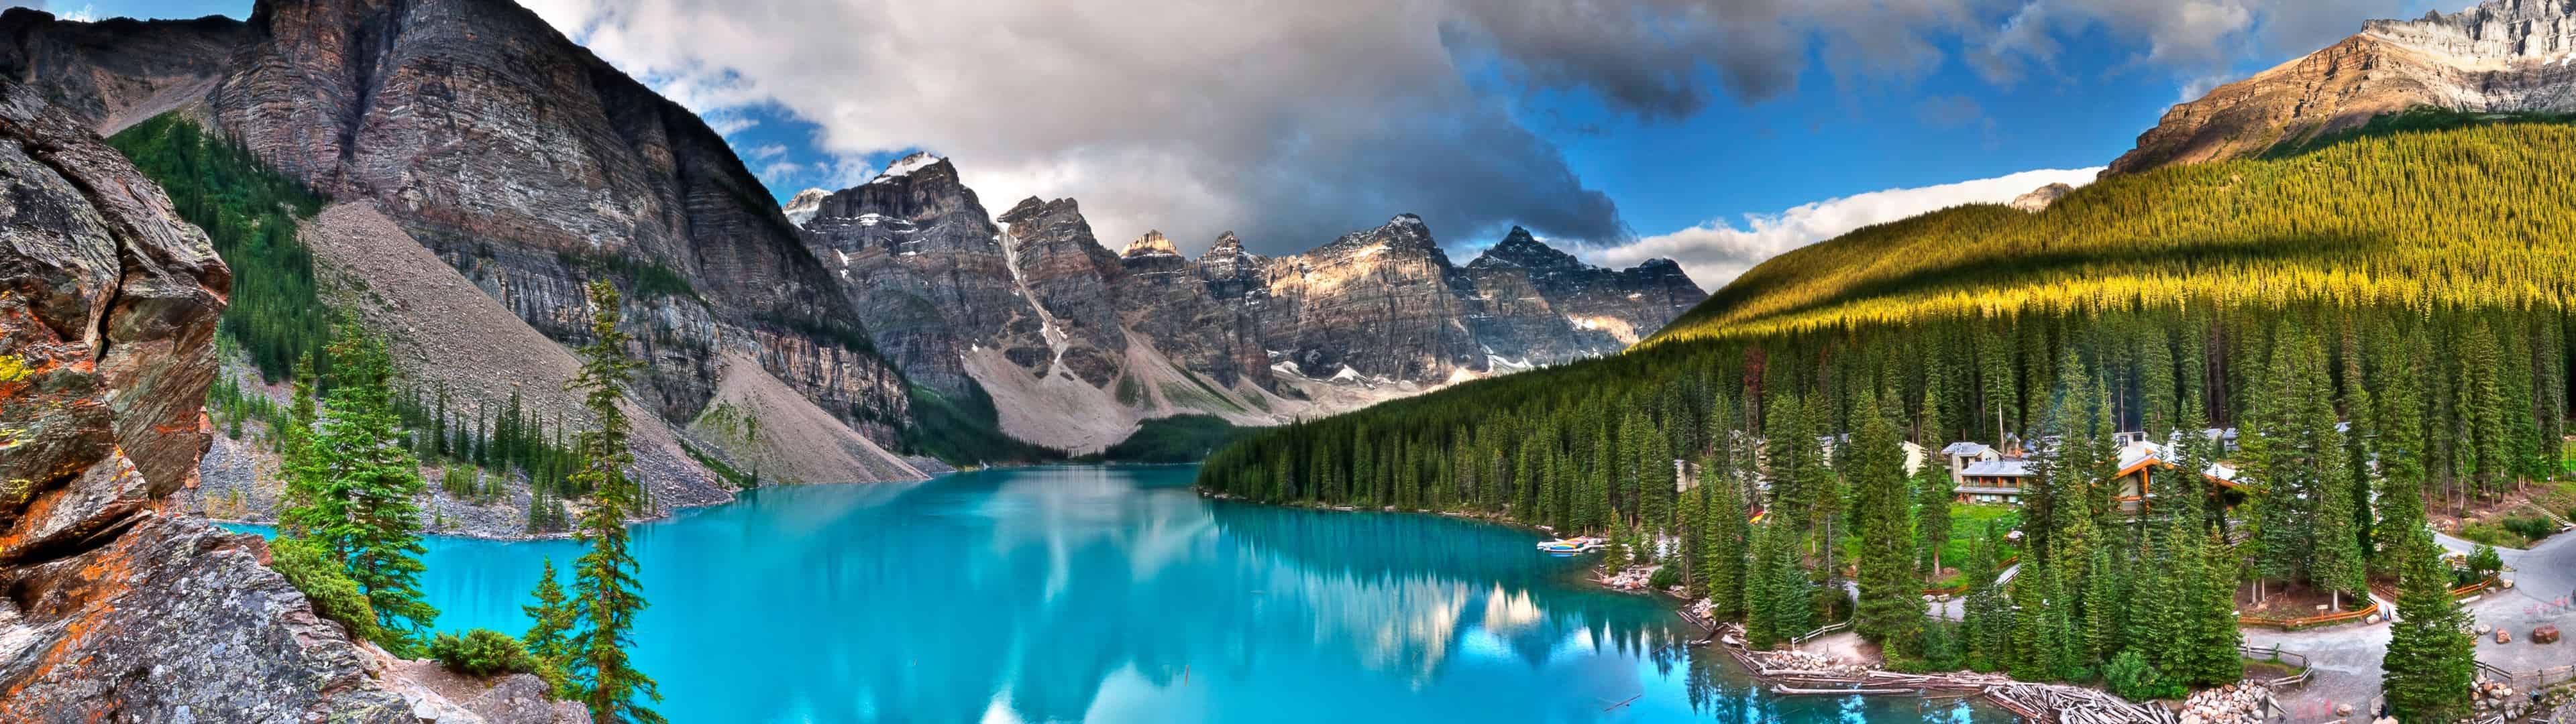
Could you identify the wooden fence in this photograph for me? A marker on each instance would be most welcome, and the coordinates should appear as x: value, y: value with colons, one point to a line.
x: 2294, y: 624
x: 1818, y: 633
x: 2274, y: 653
x: 2529, y: 681
x: 2464, y: 591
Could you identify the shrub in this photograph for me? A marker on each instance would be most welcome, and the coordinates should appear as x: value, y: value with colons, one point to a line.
x: 482, y: 652
x: 2485, y: 563
x: 2530, y: 527
x: 2486, y: 533
x: 2132, y: 678
x: 1665, y: 577
x: 312, y: 570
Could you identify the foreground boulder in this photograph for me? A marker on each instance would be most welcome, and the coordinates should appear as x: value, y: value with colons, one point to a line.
x: 113, y: 607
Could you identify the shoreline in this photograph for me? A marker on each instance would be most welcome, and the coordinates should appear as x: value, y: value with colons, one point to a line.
x: 1997, y: 690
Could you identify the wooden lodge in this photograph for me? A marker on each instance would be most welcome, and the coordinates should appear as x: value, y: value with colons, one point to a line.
x: 1981, y: 474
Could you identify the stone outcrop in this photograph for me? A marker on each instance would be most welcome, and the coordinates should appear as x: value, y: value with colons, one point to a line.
x: 2039, y: 199
x: 2500, y: 56
x: 522, y: 160
x: 118, y: 607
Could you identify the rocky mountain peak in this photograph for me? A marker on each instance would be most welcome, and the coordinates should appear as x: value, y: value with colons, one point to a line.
x: 1151, y: 244
x: 1226, y: 243
x: 2496, y: 29
x: 1519, y: 248
x: 804, y: 204
x: 2501, y: 56
x: 905, y: 166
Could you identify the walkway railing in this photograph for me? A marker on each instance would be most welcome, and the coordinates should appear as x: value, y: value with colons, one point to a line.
x: 2529, y: 681
x: 2274, y: 653
x: 1818, y: 633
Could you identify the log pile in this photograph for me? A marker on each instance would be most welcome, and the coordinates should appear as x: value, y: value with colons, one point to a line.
x: 2230, y: 704
x: 2073, y: 705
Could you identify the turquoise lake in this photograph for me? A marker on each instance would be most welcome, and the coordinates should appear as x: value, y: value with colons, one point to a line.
x: 1116, y: 594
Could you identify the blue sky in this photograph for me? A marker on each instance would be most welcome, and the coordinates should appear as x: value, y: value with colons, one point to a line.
x: 1621, y: 136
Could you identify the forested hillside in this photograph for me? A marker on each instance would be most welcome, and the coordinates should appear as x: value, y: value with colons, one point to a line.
x: 2466, y: 216
x: 2383, y: 320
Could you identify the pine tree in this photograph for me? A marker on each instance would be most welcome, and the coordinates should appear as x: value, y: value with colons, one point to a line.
x: 2401, y: 451
x: 302, y: 508
x: 1762, y: 618
x: 1932, y: 496
x: 368, y: 518
x: 549, y: 639
x: 2210, y: 638
x: 1793, y: 592
x: 604, y: 578
x: 2035, y: 646
x: 2431, y: 660
x: 2152, y: 615
x: 1890, y: 611
x: 1723, y: 543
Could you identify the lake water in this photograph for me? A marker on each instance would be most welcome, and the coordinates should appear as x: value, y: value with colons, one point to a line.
x: 1116, y: 594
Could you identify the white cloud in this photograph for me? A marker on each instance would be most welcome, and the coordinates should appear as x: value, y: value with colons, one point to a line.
x: 1716, y: 251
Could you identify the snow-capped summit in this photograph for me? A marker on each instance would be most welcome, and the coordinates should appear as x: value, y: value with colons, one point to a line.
x: 905, y: 166
x: 804, y: 204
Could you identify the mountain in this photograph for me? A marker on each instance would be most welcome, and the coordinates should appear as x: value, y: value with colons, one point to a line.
x: 1077, y: 345
x: 524, y: 167
x: 527, y: 167
x: 2501, y: 56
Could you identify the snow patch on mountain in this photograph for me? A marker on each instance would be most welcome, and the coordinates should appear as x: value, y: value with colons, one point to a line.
x: 805, y: 205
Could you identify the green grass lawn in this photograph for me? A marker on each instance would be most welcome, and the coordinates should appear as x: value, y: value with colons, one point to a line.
x: 1966, y: 522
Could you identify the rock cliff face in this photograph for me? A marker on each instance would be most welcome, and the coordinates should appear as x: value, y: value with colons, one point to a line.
x: 1032, y: 309
x: 1607, y: 309
x: 522, y: 160
x: 1074, y: 283
x: 1384, y: 302
x: 926, y: 264
x: 120, y: 609
x: 2500, y: 56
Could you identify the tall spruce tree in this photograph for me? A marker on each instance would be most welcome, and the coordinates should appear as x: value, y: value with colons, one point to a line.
x: 1723, y: 544
x: 1890, y: 610
x: 1762, y: 615
x: 302, y: 509
x: 368, y: 517
x: 2431, y: 660
x: 604, y: 578
x: 1932, y: 495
